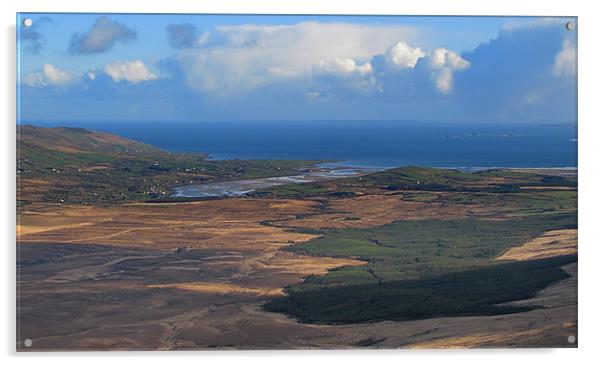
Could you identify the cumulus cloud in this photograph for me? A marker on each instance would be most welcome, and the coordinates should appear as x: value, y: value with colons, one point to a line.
x: 339, y: 57
x: 343, y: 66
x: 101, y: 37
x: 247, y: 57
x: 317, y: 70
x: 444, y: 63
x: 442, y: 57
x: 405, y: 71
x: 400, y: 70
x: 186, y: 36
x: 444, y: 80
x: 341, y: 74
x: 132, y: 71
x: 401, y: 55
x: 566, y: 60
x: 516, y: 76
x: 51, y: 76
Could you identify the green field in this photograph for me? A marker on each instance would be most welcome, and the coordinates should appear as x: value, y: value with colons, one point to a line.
x: 415, y: 249
x: 470, y: 292
x: 420, y: 269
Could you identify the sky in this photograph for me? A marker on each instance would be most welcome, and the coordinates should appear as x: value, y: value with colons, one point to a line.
x: 136, y: 67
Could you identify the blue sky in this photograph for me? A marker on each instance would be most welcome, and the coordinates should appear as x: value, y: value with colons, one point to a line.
x: 113, y: 67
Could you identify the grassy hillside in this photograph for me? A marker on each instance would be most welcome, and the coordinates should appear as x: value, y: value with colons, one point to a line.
x: 74, y: 165
x: 79, y: 141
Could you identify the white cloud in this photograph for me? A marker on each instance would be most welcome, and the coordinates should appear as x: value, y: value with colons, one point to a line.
x: 51, y: 76
x: 243, y: 58
x: 34, y: 79
x: 442, y: 57
x: 247, y: 57
x: 565, y: 61
x: 401, y: 55
x: 404, y: 69
x: 444, y: 80
x: 444, y: 63
x: 346, y: 74
x: 343, y: 66
x: 131, y: 71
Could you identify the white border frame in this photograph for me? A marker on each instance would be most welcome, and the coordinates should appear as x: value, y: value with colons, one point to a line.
x: 589, y: 176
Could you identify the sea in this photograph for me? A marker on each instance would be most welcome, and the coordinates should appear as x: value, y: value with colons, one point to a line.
x: 377, y: 144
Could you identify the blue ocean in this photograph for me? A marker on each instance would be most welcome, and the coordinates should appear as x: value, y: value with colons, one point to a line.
x: 361, y: 143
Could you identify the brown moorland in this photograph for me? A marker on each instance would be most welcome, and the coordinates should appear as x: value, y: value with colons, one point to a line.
x: 195, y: 275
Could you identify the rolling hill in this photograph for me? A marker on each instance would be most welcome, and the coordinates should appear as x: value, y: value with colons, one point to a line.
x: 79, y: 166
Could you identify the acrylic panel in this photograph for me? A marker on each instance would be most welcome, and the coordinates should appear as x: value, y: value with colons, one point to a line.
x: 194, y: 182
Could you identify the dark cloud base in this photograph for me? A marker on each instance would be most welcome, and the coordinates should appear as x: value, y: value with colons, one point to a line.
x: 101, y: 37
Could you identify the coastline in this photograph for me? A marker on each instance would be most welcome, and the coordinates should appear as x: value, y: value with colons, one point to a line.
x: 325, y: 171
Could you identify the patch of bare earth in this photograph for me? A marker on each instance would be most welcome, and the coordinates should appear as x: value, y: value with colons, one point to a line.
x: 236, y: 223
x: 550, y: 172
x: 380, y: 209
x: 553, y: 188
x: 140, y: 267
x: 498, y: 340
x: 550, y: 244
x: 195, y: 276
x: 373, y: 210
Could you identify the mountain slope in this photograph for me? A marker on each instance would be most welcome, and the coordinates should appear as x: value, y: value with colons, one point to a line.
x: 75, y: 165
x: 79, y: 140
